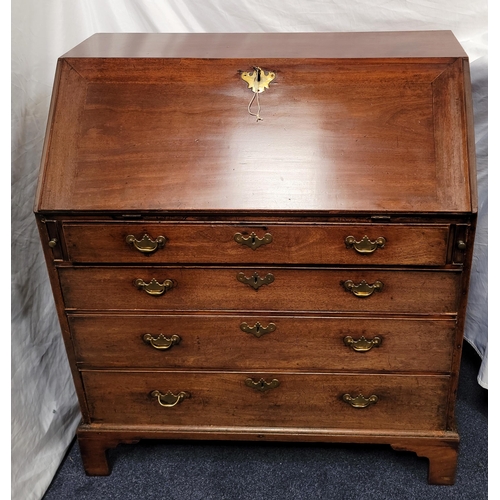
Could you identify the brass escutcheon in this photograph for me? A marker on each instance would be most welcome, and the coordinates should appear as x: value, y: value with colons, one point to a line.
x: 153, y: 287
x: 365, y: 246
x: 255, y: 281
x: 253, y: 241
x: 362, y: 344
x: 170, y: 399
x: 161, y: 342
x: 262, y: 385
x: 258, y: 80
x: 258, y: 330
x: 146, y: 245
x: 360, y: 401
x: 363, y: 289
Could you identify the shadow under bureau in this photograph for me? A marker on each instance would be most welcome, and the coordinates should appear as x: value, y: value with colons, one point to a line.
x: 262, y: 237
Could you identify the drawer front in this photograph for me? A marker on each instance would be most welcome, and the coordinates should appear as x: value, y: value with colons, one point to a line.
x: 220, y: 399
x: 196, y: 289
x: 279, y: 244
x: 250, y: 342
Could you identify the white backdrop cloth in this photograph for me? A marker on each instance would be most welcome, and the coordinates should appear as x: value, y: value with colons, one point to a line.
x: 44, y: 412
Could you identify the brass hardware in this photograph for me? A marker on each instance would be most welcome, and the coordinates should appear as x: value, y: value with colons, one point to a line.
x: 362, y: 345
x: 169, y: 399
x: 262, y: 385
x: 146, y: 244
x: 363, y: 289
x: 364, y: 246
x: 360, y: 401
x: 161, y: 342
x: 258, y: 80
x: 461, y: 245
x: 253, y: 241
x: 258, y: 330
x: 154, y: 288
x: 255, y: 281
x: 54, y: 242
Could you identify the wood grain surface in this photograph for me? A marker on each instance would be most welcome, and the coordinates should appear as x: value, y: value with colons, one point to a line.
x: 310, y: 289
x: 308, y: 400
x: 300, y: 343
x: 362, y: 134
x: 336, y: 136
x: 291, y: 243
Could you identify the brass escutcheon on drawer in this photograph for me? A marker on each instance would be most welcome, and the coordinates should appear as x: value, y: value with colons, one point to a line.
x: 261, y: 385
x: 253, y: 241
x: 258, y: 330
x: 364, y: 246
x: 255, y: 281
x: 360, y: 401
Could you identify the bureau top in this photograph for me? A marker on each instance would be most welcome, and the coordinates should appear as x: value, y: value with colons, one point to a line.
x: 308, y: 122
x: 404, y: 44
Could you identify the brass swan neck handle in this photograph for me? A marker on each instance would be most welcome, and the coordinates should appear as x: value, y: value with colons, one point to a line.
x: 169, y: 400
x: 363, y: 289
x: 146, y: 245
x: 154, y: 287
x: 364, y: 246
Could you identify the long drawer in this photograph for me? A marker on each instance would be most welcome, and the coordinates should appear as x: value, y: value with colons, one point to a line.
x: 253, y: 342
x: 219, y: 399
x: 277, y: 243
x: 279, y: 289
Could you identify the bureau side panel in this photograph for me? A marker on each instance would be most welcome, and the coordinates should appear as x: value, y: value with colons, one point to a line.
x: 63, y: 321
x: 59, y: 166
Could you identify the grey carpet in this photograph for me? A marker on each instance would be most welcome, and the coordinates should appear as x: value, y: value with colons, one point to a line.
x: 184, y: 470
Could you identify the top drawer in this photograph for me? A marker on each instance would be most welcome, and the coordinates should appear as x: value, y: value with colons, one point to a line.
x: 223, y: 243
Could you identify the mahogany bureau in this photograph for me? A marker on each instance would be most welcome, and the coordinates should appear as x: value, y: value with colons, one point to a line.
x: 262, y: 237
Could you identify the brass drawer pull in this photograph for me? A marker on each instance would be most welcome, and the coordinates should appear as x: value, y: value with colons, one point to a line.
x: 146, y: 245
x: 262, y: 385
x: 258, y: 330
x: 363, y: 344
x: 363, y: 289
x: 255, y: 281
x: 161, y: 342
x: 153, y: 287
x: 360, y: 401
x: 169, y: 399
x: 253, y: 241
x: 364, y: 246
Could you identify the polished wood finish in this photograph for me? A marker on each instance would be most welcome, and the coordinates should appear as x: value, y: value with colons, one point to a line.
x: 219, y: 399
x: 421, y: 44
x: 311, y: 343
x: 214, y: 243
x: 334, y: 130
x: 363, y: 134
x: 424, y: 292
